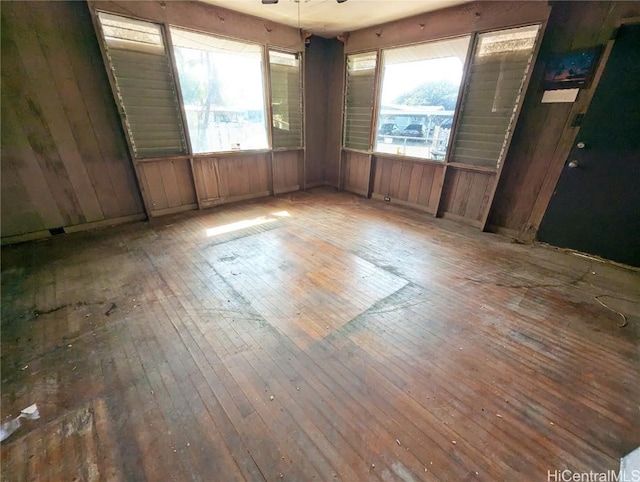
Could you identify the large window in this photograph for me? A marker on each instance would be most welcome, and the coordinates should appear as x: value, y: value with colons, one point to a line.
x: 360, y: 93
x: 223, y: 92
x: 144, y: 85
x: 286, y: 99
x: 500, y: 64
x: 420, y: 86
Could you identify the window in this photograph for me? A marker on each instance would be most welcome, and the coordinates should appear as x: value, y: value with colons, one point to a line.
x: 286, y: 99
x: 223, y: 92
x: 144, y: 86
x: 419, y: 93
x: 500, y: 64
x: 360, y: 92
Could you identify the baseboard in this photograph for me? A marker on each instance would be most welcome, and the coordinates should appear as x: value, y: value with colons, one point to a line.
x: 407, y: 204
x: 311, y: 185
x: 173, y: 210
x: 511, y: 233
x: 283, y: 190
x: 23, y: 238
x: 245, y: 197
x: 355, y: 190
x: 209, y: 203
x: 461, y: 219
x: 103, y: 223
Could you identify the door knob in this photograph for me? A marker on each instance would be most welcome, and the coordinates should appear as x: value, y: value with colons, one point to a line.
x: 573, y: 164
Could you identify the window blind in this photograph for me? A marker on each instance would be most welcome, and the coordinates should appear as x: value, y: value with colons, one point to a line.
x: 145, y: 86
x: 286, y: 99
x: 499, y: 67
x: 359, y: 97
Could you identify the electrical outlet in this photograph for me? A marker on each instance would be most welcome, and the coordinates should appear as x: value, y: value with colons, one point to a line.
x: 387, y: 198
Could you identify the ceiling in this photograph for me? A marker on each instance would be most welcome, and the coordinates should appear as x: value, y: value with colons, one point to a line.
x: 328, y: 18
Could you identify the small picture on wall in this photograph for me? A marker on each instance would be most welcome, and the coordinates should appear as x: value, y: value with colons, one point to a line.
x: 571, y: 70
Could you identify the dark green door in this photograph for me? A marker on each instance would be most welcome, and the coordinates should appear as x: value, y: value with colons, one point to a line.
x: 596, y: 205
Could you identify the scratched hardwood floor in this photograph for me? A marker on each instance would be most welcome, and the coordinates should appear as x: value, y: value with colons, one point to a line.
x: 314, y: 336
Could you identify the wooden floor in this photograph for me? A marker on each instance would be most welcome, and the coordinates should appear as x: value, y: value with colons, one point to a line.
x: 314, y: 336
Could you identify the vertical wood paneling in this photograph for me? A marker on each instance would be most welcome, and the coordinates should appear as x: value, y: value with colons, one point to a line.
x: 151, y: 178
x: 17, y: 212
x: 244, y: 176
x: 414, y: 183
x: 404, y: 180
x: 206, y: 176
x: 426, y: 185
x: 544, y: 135
x: 287, y: 170
x: 184, y: 179
x: 39, y: 60
x: 334, y: 63
x: 60, y: 126
x: 323, y: 83
x: 30, y: 196
x: 356, y: 172
x: 465, y: 194
x: 113, y: 156
x: 169, y: 184
x: 408, y: 182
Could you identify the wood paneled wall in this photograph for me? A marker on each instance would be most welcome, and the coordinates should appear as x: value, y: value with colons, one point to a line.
x: 466, y: 193
x: 287, y: 171
x: 410, y: 183
x: 323, y: 81
x: 449, y: 190
x: 168, y: 186
x: 544, y: 135
x: 232, y: 177
x: 356, y: 172
x: 64, y: 156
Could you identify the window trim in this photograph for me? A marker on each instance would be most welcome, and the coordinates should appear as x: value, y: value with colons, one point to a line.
x: 301, y: 60
x: 519, y: 101
x: 264, y: 48
x: 470, y: 47
x: 377, y: 53
x: 101, y: 38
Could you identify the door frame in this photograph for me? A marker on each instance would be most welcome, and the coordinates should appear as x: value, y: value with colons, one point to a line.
x: 570, y: 133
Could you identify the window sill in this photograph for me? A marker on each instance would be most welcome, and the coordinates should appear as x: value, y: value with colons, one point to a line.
x: 471, y: 167
x: 402, y: 157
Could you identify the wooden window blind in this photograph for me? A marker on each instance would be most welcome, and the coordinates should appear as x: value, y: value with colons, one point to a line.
x: 145, y: 86
x: 286, y: 99
x: 497, y: 73
x: 359, y: 99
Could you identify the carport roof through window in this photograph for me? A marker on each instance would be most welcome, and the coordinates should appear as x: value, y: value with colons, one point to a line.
x: 222, y: 84
x: 419, y: 93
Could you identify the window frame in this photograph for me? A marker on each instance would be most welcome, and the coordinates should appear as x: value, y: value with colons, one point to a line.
x: 517, y: 107
x: 378, y: 100
x: 474, y: 36
x: 165, y: 29
x: 301, y: 60
x: 102, y: 43
x: 374, y: 104
x: 264, y: 48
